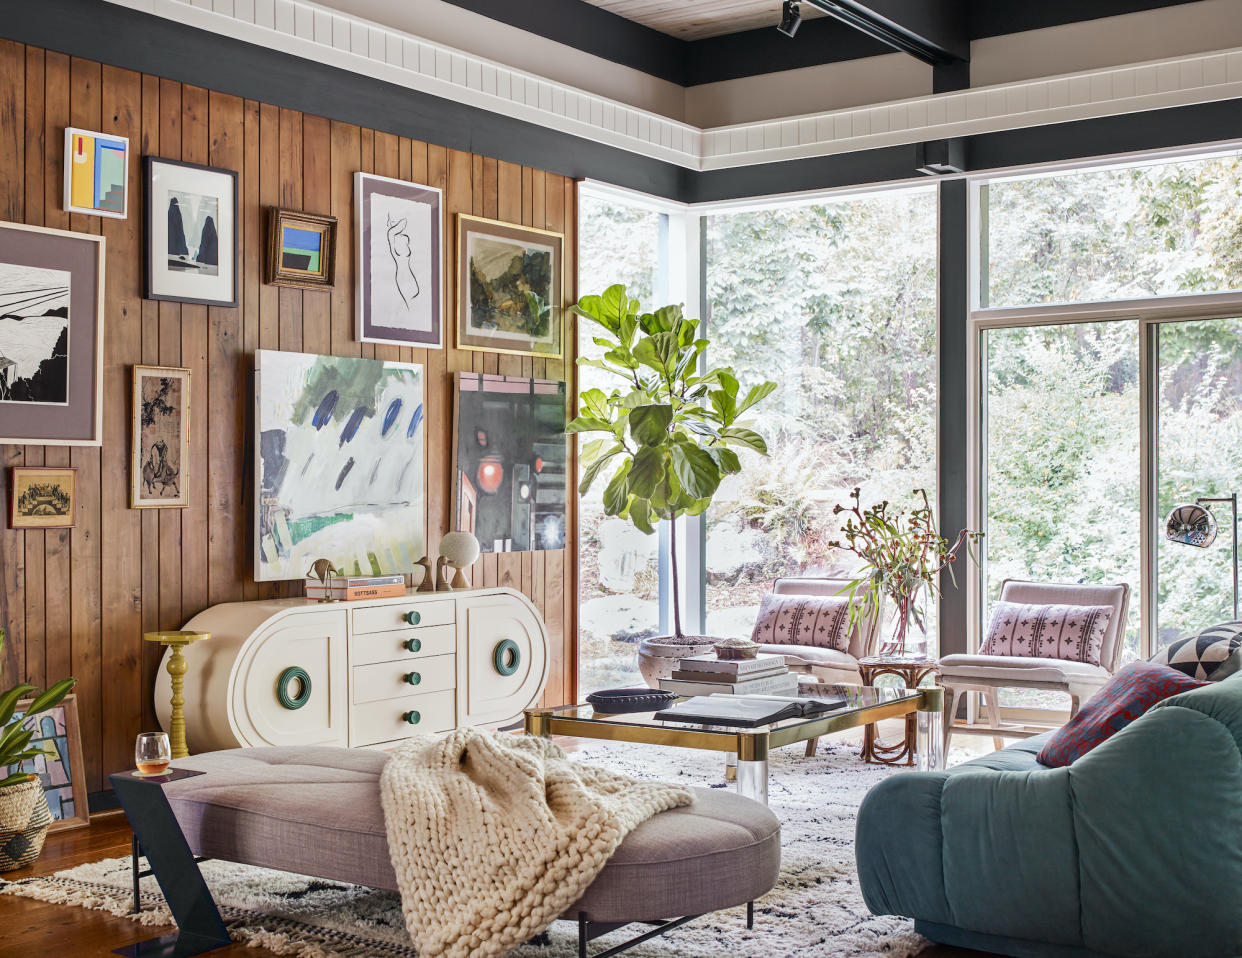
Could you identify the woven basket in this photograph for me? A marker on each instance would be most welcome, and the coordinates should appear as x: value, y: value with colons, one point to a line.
x: 24, y: 821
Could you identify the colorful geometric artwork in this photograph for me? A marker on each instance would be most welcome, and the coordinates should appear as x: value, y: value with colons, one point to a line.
x: 299, y: 249
x: 339, y: 464
x: 96, y: 173
x: 55, y: 731
x: 510, y: 462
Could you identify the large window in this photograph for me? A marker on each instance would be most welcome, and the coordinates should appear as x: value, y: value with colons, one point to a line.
x: 618, y: 585
x: 1094, y: 426
x: 836, y: 301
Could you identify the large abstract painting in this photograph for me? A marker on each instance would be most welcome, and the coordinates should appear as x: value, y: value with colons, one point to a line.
x: 60, y: 768
x: 399, y: 271
x: 508, y: 288
x: 339, y: 464
x: 51, y: 335
x: 510, y: 462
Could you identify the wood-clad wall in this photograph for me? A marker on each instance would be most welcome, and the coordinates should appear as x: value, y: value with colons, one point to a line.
x: 77, y: 601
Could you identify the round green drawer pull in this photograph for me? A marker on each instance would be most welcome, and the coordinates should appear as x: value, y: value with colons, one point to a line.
x: 412, y: 717
x: 412, y: 617
x: 506, y: 657
x: 413, y: 645
x: 295, y: 673
x: 413, y: 678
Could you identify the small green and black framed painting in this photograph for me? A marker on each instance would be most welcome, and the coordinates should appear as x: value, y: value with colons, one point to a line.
x: 301, y: 249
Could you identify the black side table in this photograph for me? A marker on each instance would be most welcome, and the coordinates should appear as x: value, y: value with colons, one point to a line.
x: 199, y: 926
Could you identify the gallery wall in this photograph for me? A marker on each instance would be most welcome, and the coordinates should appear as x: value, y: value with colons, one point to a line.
x: 77, y: 601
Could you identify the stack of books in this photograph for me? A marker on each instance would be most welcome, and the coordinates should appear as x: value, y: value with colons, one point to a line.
x: 352, y: 587
x: 708, y: 675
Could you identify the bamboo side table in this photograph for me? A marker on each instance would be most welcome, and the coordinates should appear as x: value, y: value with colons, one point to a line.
x: 177, y: 667
x: 912, y: 670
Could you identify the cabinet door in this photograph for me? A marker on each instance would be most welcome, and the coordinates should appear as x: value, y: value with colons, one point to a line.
x: 290, y: 688
x: 505, y: 661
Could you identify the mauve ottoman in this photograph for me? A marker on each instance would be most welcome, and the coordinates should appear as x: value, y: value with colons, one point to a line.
x: 316, y: 811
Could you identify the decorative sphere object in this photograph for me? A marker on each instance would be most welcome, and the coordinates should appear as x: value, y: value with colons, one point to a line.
x: 460, y: 549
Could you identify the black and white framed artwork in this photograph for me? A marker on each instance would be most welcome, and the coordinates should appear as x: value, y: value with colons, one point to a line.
x: 191, y: 235
x: 400, y: 273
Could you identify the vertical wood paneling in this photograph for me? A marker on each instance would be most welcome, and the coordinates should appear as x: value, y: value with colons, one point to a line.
x: 77, y: 601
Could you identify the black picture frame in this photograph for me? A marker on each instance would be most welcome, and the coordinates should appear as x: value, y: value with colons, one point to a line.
x: 155, y: 286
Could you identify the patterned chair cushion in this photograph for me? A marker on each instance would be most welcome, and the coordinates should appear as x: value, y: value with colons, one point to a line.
x: 1206, y: 655
x: 1074, y: 633
x: 816, y: 620
x: 1130, y: 693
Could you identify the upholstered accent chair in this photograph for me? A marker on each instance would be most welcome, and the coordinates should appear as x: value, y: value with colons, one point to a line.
x: 830, y: 666
x: 988, y: 674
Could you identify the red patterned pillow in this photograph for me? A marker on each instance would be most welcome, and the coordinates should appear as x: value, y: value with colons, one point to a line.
x: 1129, y: 694
x: 1074, y: 633
x: 819, y: 620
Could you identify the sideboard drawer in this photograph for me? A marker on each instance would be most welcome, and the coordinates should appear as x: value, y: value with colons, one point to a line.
x: 403, y: 615
x: 391, y: 680
x: 406, y: 644
x: 385, y: 721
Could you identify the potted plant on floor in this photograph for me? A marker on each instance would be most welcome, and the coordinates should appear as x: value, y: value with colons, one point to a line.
x: 24, y: 814
x: 669, y: 432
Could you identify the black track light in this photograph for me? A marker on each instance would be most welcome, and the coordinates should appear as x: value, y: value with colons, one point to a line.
x: 791, y: 18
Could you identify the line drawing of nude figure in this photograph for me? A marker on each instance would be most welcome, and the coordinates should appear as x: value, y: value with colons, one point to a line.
x: 400, y: 250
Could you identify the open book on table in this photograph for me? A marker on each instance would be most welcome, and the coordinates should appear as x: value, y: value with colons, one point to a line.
x: 748, y: 711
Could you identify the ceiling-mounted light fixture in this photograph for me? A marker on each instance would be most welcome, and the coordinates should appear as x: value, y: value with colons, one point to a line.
x: 791, y: 18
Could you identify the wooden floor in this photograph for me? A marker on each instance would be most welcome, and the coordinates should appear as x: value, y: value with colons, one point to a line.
x: 34, y: 928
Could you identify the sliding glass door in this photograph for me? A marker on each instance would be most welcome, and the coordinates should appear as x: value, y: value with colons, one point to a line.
x: 1198, y: 454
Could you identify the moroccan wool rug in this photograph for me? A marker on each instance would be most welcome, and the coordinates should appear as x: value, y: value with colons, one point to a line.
x: 815, y: 909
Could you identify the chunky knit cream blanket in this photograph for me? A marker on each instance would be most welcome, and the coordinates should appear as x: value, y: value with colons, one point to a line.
x: 493, y: 836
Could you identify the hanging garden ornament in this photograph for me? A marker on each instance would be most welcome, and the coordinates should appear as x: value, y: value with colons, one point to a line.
x: 1191, y: 524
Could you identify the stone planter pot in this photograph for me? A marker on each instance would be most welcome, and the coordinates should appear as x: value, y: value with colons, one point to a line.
x: 24, y: 821
x: 658, y: 656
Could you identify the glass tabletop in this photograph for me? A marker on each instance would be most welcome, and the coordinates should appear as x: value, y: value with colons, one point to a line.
x: 858, y: 698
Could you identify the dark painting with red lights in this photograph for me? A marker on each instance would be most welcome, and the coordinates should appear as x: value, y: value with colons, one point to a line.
x: 510, y: 462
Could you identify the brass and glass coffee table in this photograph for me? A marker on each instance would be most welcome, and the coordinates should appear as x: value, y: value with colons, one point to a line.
x: 748, y: 748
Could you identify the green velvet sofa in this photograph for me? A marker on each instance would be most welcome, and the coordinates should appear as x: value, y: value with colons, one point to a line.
x: 1134, y: 850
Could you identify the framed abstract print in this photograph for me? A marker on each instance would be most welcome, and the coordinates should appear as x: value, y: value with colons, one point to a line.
x: 191, y: 234
x: 301, y: 249
x: 60, y: 769
x: 508, y: 288
x: 96, y: 173
x: 43, y: 497
x: 160, y: 438
x: 51, y: 336
x: 400, y: 278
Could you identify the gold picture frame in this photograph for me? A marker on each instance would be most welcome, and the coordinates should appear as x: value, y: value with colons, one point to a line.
x: 43, y: 497
x: 160, y: 438
x: 301, y: 249
x: 68, y: 810
x: 494, y: 314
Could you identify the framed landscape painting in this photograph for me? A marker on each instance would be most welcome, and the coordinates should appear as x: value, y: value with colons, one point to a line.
x: 191, y: 234
x: 339, y: 465
x: 400, y: 276
x: 508, y: 288
x: 43, y: 497
x: 160, y: 454
x: 51, y: 336
x: 301, y: 249
x: 510, y: 462
x: 96, y: 173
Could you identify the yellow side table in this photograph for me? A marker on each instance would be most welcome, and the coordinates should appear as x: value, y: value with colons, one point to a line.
x: 177, y: 667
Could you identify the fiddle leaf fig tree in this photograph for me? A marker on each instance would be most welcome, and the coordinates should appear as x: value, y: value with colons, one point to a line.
x: 670, y: 428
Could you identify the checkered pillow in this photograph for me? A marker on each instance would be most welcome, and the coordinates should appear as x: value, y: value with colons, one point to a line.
x: 821, y: 621
x: 1201, y: 656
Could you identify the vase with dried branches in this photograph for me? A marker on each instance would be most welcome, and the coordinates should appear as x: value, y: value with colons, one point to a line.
x: 903, y: 555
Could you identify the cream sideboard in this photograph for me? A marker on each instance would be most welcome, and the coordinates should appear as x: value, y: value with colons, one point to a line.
x: 295, y: 672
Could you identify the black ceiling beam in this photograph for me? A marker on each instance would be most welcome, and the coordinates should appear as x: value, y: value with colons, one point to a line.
x: 933, y: 31
x: 988, y: 18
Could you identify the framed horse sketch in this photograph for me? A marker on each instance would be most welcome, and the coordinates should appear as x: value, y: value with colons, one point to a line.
x: 161, y: 438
